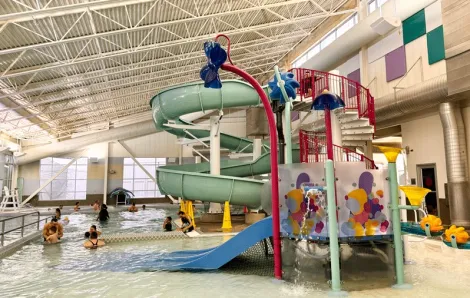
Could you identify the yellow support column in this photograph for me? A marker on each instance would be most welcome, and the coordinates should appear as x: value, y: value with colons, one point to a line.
x: 227, y: 223
x: 183, y: 206
x: 190, y: 212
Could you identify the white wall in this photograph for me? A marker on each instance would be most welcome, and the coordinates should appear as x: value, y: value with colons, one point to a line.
x: 425, y: 137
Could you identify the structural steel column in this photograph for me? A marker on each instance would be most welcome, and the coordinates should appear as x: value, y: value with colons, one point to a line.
x: 106, y: 168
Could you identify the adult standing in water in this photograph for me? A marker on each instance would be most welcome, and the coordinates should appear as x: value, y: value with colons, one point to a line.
x: 58, y: 214
x: 103, y: 215
x: 93, y: 242
x: 133, y: 208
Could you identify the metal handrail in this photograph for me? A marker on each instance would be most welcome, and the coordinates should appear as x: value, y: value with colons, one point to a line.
x: 23, y: 225
x: 356, y: 97
x: 310, y: 151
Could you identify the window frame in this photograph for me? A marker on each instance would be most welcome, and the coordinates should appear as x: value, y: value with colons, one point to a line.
x: 301, y: 59
x: 63, y: 193
x: 129, y: 183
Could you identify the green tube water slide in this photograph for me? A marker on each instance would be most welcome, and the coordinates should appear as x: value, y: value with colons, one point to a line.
x: 193, y: 181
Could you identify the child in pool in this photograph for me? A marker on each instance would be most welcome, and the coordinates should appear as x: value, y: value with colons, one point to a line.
x: 93, y: 229
x: 167, y: 226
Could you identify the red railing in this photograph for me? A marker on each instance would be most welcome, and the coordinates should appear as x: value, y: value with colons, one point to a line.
x: 313, y: 149
x: 355, y: 96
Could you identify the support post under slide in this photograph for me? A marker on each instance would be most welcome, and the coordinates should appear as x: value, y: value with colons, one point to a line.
x: 287, y: 117
x: 215, y: 156
x: 274, y: 165
x: 50, y: 180
x: 332, y: 227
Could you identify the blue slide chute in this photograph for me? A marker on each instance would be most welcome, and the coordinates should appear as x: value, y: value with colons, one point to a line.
x: 214, y: 258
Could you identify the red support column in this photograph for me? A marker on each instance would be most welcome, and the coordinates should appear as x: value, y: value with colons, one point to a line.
x: 358, y: 100
x: 329, y: 134
x: 274, y: 164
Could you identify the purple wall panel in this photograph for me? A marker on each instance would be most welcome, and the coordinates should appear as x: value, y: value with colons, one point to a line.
x: 354, y: 76
x: 395, y: 64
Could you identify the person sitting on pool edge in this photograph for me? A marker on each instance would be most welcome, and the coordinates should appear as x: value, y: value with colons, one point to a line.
x: 93, y: 242
x: 133, y: 208
x: 54, y: 237
x: 77, y: 207
x: 103, y: 215
x: 187, y: 223
x: 93, y: 229
x: 167, y: 226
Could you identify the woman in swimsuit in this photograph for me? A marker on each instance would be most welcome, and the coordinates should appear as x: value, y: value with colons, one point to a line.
x: 93, y: 242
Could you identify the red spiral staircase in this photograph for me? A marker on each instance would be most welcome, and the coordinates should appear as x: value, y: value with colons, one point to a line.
x: 357, y: 119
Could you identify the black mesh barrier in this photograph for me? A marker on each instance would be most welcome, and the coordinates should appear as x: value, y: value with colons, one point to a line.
x: 257, y: 260
x: 366, y: 265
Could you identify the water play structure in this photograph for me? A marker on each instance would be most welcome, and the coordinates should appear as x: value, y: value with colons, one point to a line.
x: 323, y: 194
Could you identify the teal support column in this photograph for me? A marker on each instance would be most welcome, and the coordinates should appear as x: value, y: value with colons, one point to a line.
x: 333, y: 228
x: 400, y: 273
x: 287, y: 117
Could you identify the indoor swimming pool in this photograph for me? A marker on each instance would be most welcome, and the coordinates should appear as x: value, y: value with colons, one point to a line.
x: 69, y: 270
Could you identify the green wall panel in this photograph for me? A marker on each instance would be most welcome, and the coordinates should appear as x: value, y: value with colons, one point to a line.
x: 414, y: 27
x: 436, y: 50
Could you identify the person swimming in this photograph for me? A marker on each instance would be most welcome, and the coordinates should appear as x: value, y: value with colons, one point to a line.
x: 77, y: 207
x: 93, y: 242
x: 187, y: 223
x: 167, y: 226
x: 87, y: 235
x: 54, y: 236
x: 133, y: 208
x: 143, y: 207
x: 103, y: 215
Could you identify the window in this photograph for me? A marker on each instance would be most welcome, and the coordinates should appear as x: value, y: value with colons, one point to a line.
x: 7, y: 161
x: 375, y: 4
x: 137, y: 181
x: 345, y: 27
x: 69, y: 185
x: 327, y: 39
x: 315, y: 50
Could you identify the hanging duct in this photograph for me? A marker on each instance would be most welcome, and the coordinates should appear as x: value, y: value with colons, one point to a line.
x: 456, y: 163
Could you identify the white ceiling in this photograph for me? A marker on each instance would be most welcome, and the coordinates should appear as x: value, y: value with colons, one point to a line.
x: 68, y: 64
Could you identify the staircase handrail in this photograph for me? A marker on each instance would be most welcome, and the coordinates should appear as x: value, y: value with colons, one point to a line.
x: 355, y: 96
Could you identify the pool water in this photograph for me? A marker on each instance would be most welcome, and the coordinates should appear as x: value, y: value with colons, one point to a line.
x: 69, y: 270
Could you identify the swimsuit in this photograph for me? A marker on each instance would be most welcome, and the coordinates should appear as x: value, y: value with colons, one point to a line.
x: 95, y: 245
x: 168, y: 227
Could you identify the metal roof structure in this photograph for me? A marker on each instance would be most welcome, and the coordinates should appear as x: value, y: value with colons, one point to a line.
x: 68, y: 66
